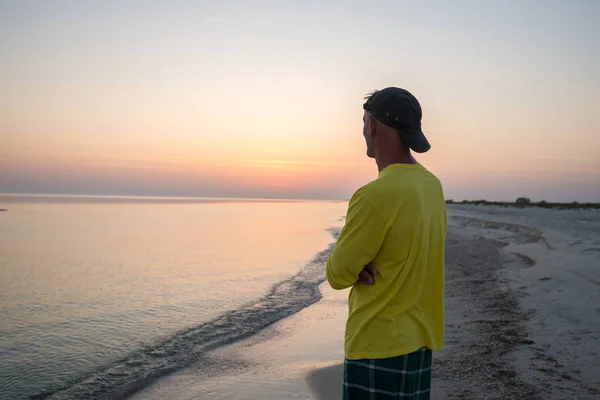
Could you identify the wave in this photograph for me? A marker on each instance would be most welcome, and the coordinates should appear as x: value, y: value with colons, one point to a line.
x: 144, y: 365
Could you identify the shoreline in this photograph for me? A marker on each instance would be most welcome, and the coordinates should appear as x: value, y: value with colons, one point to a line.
x: 495, y: 347
x: 302, y: 355
x: 182, y: 349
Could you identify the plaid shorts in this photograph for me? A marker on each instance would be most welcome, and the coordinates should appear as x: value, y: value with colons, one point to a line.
x: 403, y: 377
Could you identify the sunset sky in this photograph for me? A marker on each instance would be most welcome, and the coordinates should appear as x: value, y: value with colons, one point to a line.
x: 264, y: 98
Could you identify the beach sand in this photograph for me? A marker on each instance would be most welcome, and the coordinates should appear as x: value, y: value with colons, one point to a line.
x: 518, y: 327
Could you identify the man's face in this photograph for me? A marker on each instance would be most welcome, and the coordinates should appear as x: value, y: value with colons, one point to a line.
x: 367, y: 133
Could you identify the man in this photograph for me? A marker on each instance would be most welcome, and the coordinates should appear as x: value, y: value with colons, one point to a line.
x: 391, y: 252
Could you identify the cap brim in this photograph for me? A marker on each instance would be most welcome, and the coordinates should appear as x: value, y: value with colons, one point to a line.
x: 416, y: 140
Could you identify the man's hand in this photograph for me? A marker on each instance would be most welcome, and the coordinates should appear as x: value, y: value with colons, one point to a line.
x: 367, y: 275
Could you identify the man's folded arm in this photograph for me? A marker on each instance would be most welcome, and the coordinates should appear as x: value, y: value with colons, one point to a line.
x: 358, y: 244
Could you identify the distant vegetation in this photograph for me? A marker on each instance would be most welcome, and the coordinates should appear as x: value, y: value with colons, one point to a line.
x: 523, y: 202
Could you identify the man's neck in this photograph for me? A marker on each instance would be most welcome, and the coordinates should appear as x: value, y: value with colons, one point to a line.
x: 385, y: 161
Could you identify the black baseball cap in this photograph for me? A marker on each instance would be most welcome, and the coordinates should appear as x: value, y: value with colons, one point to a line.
x: 399, y: 109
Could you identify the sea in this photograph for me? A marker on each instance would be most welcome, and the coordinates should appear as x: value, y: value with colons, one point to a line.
x: 100, y: 296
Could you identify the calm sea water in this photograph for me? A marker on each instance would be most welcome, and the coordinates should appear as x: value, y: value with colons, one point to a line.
x: 101, y: 296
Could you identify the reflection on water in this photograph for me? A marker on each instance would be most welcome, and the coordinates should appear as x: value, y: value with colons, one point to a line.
x: 83, y: 283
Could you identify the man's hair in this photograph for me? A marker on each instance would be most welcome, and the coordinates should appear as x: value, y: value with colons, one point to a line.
x: 370, y: 94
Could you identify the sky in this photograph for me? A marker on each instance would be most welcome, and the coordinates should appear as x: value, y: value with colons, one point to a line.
x: 264, y: 98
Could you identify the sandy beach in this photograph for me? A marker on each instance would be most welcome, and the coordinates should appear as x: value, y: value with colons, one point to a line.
x: 522, y: 317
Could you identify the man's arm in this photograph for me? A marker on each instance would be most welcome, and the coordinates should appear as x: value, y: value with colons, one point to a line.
x: 358, y: 244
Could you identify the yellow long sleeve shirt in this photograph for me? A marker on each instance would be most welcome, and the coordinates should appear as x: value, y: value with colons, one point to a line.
x: 398, y: 224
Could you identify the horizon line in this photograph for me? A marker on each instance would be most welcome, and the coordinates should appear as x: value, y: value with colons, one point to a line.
x: 161, y: 197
